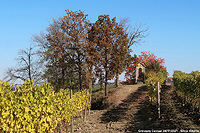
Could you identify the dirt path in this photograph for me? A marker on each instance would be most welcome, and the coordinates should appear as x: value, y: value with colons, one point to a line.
x: 121, y: 94
x: 127, y: 100
x: 134, y: 111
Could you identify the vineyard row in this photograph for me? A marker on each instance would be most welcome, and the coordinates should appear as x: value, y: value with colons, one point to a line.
x: 37, y: 108
x: 188, y: 86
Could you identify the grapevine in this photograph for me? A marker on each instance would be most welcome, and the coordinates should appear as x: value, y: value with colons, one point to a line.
x: 188, y: 86
x: 37, y: 108
x: 151, y: 82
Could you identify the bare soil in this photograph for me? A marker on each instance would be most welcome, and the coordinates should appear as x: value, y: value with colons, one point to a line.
x: 122, y: 93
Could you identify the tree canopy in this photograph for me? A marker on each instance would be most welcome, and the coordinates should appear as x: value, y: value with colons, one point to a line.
x: 64, y: 49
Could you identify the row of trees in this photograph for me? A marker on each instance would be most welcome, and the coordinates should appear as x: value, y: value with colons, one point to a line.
x: 74, y: 51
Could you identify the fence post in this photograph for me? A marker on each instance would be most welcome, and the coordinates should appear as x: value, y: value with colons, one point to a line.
x: 158, y: 100
x: 72, y: 126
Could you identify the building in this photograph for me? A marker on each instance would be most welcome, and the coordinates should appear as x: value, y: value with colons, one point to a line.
x: 140, y: 69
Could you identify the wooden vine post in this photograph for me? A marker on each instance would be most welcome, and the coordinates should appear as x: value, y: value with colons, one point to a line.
x: 72, y: 126
x: 90, y: 100
x: 85, y: 108
x: 158, y: 100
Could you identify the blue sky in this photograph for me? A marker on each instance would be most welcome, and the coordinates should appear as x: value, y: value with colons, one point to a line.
x: 173, y: 26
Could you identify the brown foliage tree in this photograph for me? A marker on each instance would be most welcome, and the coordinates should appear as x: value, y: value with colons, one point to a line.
x: 120, y: 52
x: 102, y: 34
x: 111, y: 42
x: 64, y: 49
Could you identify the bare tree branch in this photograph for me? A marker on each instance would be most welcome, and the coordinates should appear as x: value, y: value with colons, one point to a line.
x: 136, y: 34
x: 28, y: 67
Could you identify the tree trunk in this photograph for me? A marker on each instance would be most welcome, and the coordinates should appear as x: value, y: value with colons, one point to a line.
x: 93, y: 83
x: 117, y: 80
x: 101, y: 81
x: 106, y: 84
x: 63, y: 78
x: 56, y: 76
x: 90, y: 88
x: 79, y: 72
x: 80, y: 80
x: 29, y: 66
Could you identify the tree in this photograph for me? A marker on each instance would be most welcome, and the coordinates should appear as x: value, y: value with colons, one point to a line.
x: 29, y: 67
x: 122, y: 56
x: 131, y: 70
x: 150, y: 62
x: 135, y: 34
x: 120, y: 52
x: 111, y: 42
x: 76, y: 26
x: 102, y: 35
x: 64, y: 48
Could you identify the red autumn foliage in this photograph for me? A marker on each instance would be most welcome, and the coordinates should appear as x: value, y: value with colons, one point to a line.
x: 147, y: 59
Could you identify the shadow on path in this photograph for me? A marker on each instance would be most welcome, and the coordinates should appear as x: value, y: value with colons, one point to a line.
x: 171, y: 116
x: 119, y: 113
x: 146, y: 117
x: 137, y: 112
